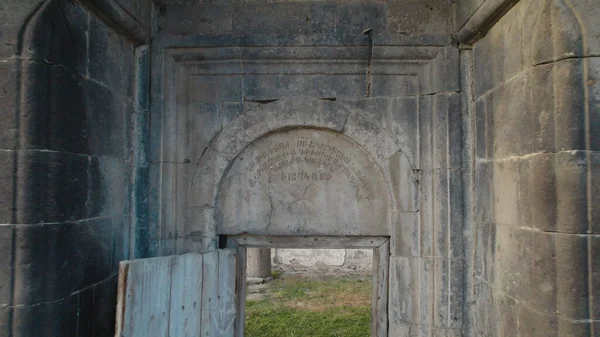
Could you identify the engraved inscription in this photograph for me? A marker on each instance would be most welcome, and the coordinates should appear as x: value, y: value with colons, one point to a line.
x: 327, y: 161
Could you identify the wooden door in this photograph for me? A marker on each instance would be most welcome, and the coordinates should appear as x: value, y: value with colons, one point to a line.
x: 191, y: 295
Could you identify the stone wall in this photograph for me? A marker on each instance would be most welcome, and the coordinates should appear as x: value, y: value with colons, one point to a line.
x: 535, y: 97
x: 352, y: 259
x: 66, y: 98
x: 227, y: 77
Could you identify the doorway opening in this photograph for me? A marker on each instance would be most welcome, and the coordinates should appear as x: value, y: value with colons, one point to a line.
x: 297, y: 299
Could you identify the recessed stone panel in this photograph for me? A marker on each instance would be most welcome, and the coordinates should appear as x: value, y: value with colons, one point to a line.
x: 306, y: 181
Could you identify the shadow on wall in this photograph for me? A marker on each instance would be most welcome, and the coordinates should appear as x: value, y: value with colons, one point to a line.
x: 66, y: 233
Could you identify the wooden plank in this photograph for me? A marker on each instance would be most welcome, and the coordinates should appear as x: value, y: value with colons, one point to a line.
x: 226, y: 293
x: 210, y: 279
x: 283, y: 241
x: 144, y: 297
x: 186, y: 295
x: 240, y: 291
x: 379, y: 309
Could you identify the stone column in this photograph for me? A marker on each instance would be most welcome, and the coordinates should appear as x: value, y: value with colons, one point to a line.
x: 258, y: 262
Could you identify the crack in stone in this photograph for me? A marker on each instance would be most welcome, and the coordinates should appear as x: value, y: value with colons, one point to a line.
x: 270, y: 203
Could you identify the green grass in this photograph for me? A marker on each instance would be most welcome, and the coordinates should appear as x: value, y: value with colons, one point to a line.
x: 310, y: 307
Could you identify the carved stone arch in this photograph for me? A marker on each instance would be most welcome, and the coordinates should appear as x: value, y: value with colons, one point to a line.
x: 333, y: 120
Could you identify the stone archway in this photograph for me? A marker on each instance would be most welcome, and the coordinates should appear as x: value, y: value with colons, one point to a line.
x: 220, y: 172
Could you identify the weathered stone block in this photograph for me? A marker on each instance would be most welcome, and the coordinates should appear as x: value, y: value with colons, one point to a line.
x: 6, y: 249
x: 426, y: 212
x: 108, y: 187
x: 304, y: 112
x: 511, y: 119
x: 8, y: 104
x: 390, y: 85
x: 425, y: 132
x: 560, y: 273
x: 284, y: 18
x: 542, y: 191
x: 594, y: 243
x: 507, y: 320
x: 440, y: 131
x: 52, y: 109
x: 456, y: 205
x: 59, y: 318
x: 570, y: 101
x: 405, y: 231
x: 214, y: 89
x: 206, y: 19
x: 277, y: 86
x: 53, y: 261
x: 353, y: 18
x: 107, y: 123
x: 441, y: 225
x: 404, y: 290
x: 120, y: 241
x: 110, y: 58
x: 512, y: 262
x: 404, y: 184
x: 13, y: 14
x: 485, y: 251
x: 506, y: 192
x: 59, y: 36
x: 370, y: 134
x: 448, y: 293
x: 484, y: 191
x: 542, y: 109
x: 480, y: 128
x: 416, y: 17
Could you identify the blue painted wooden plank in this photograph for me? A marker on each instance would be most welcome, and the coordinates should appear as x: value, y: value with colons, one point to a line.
x: 186, y: 295
x: 145, y: 297
x: 209, y: 294
x: 226, y: 293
